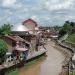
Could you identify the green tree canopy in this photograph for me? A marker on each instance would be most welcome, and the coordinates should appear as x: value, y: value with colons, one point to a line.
x: 5, y: 29
x: 3, y: 50
x: 66, y: 28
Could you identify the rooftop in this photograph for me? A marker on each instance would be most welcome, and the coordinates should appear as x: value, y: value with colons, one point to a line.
x: 20, y: 28
x: 29, y: 20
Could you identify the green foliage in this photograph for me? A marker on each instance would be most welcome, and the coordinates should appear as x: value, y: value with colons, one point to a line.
x: 5, y: 29
x: 3, y: 50
x: 62, y: 32
x: 13, y: 72
x: 73, y: 73
x: 72, y: 24
x: 71, y: 38
x: 67, y: 27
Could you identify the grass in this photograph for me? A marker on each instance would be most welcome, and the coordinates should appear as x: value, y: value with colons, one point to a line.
x: 13, y: 72
x: 71, y: 38
x: 73, y: 73
x: 34, y: 61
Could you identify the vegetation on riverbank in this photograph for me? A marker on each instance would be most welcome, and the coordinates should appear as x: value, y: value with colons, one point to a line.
x: 4, y: 30
x: 3, y: 50
x: 71, y: 38
x: 73, y: 73
x: 68, y: 27
x: 67, y: 37
x: 12, y: 72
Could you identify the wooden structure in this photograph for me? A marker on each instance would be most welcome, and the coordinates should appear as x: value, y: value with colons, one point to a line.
x: 13, y: 40
x: 32, y: 39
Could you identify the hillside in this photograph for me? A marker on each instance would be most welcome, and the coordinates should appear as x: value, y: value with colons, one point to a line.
x: 71, y: 38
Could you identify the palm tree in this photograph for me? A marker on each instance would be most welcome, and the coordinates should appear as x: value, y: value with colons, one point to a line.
x: 5, y: 29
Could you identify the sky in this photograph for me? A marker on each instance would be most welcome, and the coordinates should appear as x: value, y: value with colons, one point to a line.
x: 44, y: 12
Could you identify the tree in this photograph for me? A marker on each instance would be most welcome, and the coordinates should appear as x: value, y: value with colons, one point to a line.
x: 3, y: 50
x: 5, y: 29
x: 73, y: 24
x: 62, y: 32
x: 67, y: 27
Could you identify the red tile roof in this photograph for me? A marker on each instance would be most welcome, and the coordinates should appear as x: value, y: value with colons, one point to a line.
x: 29, y: 20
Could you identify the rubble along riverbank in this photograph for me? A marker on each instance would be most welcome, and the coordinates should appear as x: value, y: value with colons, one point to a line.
x: 68, y: 54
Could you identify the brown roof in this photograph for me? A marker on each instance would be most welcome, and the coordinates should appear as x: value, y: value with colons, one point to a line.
x: 29, y: 20
x: 16, y: 38
x: 10, y: 37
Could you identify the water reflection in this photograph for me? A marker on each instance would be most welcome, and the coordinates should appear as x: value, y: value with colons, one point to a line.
x: 32, y: 69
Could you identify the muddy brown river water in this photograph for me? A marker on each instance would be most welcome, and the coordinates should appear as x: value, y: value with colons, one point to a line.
x: 51, y: 65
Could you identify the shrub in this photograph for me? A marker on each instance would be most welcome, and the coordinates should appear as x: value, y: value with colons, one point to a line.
x: 3, y: 50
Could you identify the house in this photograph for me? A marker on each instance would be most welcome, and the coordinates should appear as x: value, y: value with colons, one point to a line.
x: 27, y: 31
x: 18, y: 49
x: 31, y: 25
x: 29, y: 37
x: 15, y: 43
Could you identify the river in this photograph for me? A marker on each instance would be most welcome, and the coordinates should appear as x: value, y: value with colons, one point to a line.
x: 51, y: 65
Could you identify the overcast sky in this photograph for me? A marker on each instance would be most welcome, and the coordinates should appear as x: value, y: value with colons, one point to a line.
x: 45, y: 12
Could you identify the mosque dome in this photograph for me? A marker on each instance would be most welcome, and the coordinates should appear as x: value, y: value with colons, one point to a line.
x: 20, y: 28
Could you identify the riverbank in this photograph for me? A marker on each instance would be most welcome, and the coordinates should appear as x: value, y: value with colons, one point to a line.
x: 15, y: 71
x: 69, y: 52
x: 65, y: 52
x: 51, y: 65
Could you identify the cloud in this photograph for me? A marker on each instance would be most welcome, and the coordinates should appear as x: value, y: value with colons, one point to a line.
x: 56, y: 5
x: 8, y: 3
x: 8, y: 12
x: 45, y: 12
x: 34, y: 17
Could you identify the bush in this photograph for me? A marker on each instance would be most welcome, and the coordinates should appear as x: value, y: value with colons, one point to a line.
x: 3, y: 50
x: 73, y: 73
x: 71, y: 38
x: 66, y: 28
